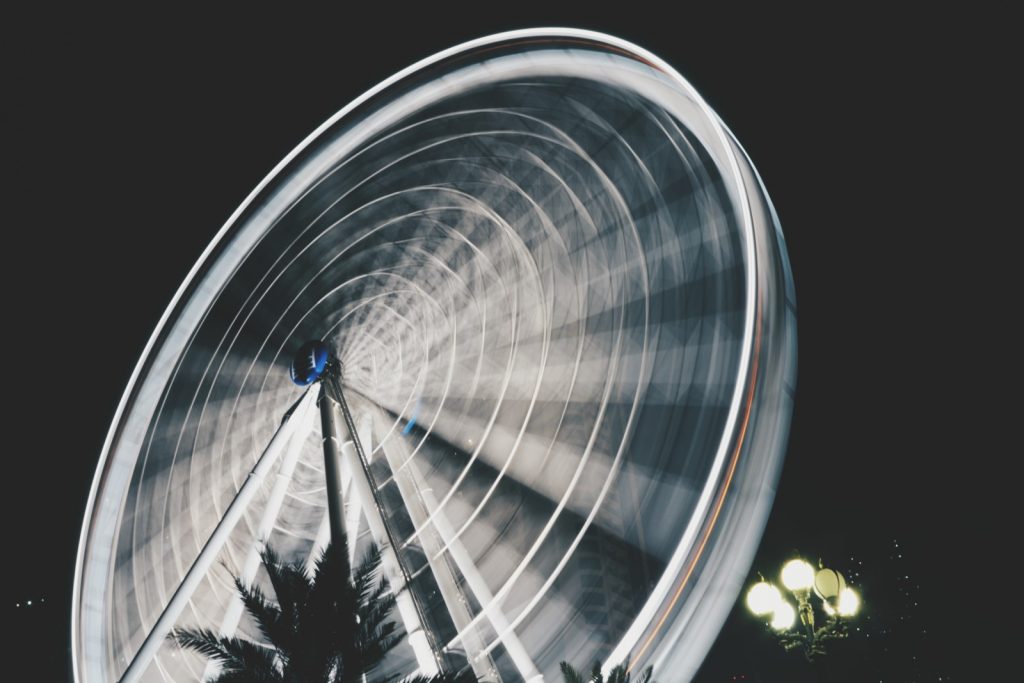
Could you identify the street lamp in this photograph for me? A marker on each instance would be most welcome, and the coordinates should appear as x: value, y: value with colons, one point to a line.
x: 837, y: 601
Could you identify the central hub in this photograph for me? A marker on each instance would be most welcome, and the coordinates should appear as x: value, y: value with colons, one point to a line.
x: 310, y: 363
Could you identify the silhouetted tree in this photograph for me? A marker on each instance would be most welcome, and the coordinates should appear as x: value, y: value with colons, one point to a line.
x: 328, y: 627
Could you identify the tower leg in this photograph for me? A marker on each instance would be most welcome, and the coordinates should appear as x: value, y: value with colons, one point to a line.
x: 165, y: 622
x: 332, y: 468
x: 363, y: 489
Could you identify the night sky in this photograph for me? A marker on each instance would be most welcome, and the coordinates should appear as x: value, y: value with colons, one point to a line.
x: 125, y: 151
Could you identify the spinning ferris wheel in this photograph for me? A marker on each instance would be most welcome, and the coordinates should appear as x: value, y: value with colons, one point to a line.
x: 551, y: 372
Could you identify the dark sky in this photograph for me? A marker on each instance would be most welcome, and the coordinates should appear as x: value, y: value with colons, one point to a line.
x: 126, y: 149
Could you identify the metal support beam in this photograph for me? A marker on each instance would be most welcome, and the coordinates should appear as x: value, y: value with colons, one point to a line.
x: 233, y: 615
x: 363, y: 490
x: 481, y: 591
x: 323, y: 534
x: 416, y: 495
x: 353, y: 512
x: 332, y: 466
x: 165, y: 622
x: 453, y: 595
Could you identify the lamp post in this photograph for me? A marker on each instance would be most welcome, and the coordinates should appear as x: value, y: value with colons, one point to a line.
x: 837, y: 601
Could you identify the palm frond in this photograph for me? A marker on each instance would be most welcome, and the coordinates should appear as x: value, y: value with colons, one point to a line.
x: 619, y: 674
x: 464, y: 676
x: 266, y: 614
x: 233, y: 654
x: 375, y: 644
x: 290, y: 582
x: 570, y: 674
x: 376, y: 611
x: 201, y: 640
x: 332, y: 602
x: 332, y: 568
x: 365, y: 575
x: 247, y: 676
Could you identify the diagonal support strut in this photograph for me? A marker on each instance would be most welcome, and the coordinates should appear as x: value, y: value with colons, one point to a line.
x: 165, y: 622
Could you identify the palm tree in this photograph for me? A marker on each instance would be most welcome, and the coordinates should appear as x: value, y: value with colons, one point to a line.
x: 331, y: 627
x: 620, y: 674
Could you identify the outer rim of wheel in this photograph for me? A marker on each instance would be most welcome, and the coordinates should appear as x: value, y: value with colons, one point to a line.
x: 183, y: 294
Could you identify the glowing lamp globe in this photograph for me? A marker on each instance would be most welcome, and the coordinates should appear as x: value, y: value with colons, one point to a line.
x: 784, y: 616
x: 763, y: 598
x: 828, y: 584
x: 849, y: 603
x: 309, y: 363
x: 798, y: 575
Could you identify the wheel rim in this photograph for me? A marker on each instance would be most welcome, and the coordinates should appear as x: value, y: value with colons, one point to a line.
x: 563, y: 305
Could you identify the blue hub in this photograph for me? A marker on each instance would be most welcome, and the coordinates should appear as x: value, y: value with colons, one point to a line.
x: 310, y: 362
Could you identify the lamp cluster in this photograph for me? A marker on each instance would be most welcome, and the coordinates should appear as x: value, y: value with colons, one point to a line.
x: 837, y: 601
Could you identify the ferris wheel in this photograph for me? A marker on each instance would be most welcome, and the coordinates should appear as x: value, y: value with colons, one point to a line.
x: 521, y: 315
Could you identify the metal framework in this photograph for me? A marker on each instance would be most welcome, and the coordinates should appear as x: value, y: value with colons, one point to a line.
x: 562, y: 303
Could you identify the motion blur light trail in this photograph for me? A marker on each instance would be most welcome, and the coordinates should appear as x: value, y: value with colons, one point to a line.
x: 565, y: 316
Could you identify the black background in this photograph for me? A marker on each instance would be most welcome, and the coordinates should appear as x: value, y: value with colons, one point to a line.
x: 130, y: 139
